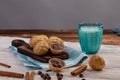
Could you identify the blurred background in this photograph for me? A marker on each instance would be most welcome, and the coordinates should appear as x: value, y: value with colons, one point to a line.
x: 57, y: 14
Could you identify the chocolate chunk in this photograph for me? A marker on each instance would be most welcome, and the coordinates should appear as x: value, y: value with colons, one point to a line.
x: 63, y: 55
x: 17, y: 42
x: 57, y: 47
x: 57, y: 63
x: 30, y: 53
x: 59, y: 66
x: 27, y: 46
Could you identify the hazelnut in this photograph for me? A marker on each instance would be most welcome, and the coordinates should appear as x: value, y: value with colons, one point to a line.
x: 96, y: 62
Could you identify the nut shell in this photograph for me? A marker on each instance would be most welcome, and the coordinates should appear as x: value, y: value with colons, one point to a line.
x: 56, y: 69
x: 96, y: 62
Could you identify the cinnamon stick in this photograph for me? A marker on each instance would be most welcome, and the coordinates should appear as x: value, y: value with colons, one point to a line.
x: 11, y: 74
x: 32, y: 75
x: 27, y: 76
x: 79, y: 70
x: 5, y: 65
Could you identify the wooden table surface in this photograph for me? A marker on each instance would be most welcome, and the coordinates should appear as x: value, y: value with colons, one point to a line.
x: 110, y: 54
x: 67, y: 35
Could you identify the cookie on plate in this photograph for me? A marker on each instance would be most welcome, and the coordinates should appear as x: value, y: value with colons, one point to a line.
x: 55, y: 40
x: 41, y: 48
x: 36, y: 38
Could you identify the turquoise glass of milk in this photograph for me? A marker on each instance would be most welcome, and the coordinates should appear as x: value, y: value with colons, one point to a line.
x: 90, y: 37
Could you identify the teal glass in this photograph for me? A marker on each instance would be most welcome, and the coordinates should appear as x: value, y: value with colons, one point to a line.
x: 90, y: 37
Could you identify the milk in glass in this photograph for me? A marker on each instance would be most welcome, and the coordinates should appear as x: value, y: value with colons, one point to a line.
x: 90, y: 37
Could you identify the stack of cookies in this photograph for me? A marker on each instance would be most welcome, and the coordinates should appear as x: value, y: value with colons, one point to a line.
x: 41, y: 44
x: 42, y: 48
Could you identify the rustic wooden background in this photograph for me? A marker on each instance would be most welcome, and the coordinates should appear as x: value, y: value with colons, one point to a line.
x: 67, y: 35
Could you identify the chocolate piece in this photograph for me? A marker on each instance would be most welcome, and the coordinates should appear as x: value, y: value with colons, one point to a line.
x: 30, y: 53
x: 57, y: 47
x: 57, y: 63
x: 27, y: 46
x: 17, y: 42
x: 63, y: 55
